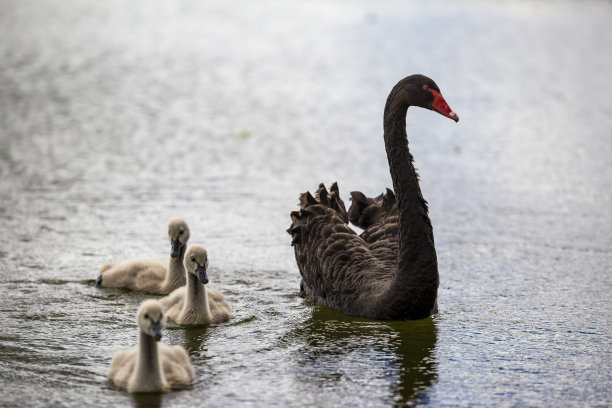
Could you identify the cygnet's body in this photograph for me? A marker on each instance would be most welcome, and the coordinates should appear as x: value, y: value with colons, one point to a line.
x: 144, y: 275
x: 151, y: 367
x: 195, y: 304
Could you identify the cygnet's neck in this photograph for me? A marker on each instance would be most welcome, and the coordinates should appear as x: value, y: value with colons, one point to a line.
x: 148, y: 375
x: 175, y: 278
x: 196, y: 303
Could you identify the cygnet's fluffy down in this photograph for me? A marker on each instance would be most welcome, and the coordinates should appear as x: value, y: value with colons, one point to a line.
x: 195, y: 303
x: 152, y: 367
x: 144, y: 275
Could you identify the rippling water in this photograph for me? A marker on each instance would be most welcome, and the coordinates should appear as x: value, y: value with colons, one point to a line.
x: 116, y: 117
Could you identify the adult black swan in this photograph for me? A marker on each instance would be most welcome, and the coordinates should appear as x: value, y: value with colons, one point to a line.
x: 390, y: 271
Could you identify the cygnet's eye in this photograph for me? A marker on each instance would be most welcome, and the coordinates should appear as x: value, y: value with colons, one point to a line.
x: 425, y: 88
x: 193, y: 259
x: 181, y: 232
x: 161, y: 315
x: 146, y: 316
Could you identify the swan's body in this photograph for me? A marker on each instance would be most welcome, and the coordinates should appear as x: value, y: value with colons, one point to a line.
x: 145, y: 275
x: 391, y: 270
x: 152, y: 367
x: 195, y: 304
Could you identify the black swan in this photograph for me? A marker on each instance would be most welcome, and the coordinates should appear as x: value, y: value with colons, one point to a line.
x: 390, y: 271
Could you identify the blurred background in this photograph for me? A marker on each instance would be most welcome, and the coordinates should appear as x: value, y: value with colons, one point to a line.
x: 117, y: 116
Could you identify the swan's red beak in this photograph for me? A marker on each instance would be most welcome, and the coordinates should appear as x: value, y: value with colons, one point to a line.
x: 440, y: 106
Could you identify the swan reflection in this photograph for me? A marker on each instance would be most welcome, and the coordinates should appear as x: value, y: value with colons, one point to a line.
x: 391, y: 361
x: 194, y: 339
x: 147, y: 400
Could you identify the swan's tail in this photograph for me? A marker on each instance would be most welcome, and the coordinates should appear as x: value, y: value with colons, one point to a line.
x: 317, y: 205
x: 105, y: 267
x: 365, y: 211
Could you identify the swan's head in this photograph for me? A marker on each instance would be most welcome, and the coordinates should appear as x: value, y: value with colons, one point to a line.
x: 150, y: 318
x: 419, y: 90
x: 196, y: 262
x: 178, y: 232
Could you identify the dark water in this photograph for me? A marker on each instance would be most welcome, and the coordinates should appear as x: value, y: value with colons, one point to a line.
x: 117, y: 116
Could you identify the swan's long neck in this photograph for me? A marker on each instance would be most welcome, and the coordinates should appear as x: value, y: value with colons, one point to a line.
x: 196, y: 303
x: 175, y: 278
x: 416, y: 281
x: 148, y: 374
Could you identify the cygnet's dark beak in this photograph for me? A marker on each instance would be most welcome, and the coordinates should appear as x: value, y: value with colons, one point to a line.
x: 156, y: 330
x: 201, y: 274
x: 176, y: 248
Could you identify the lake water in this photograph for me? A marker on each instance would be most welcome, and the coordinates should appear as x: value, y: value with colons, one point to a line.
x: 117, y: 116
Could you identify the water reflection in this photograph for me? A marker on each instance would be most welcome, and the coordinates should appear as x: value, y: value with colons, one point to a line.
x: 194, y: 339
x: 147, y: 400
x: 418, y: 369
x: 393, y: 359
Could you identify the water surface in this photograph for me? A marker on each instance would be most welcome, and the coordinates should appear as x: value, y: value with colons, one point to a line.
x: 116, y: 117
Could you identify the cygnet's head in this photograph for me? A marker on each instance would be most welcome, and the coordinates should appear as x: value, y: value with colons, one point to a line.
x: 178, y: 232
x: 196, y: 262
x: 150, y: 318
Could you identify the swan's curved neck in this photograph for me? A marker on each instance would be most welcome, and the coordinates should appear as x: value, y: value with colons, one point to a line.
x: 197, y: 298
x: 416, y: 279
x: 175, y: 277
x: 148, y: 374
x: 413, y: 214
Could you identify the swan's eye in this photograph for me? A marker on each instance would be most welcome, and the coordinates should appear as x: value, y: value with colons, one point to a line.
x: 146, y: 316
x: 425, y: 88
x: 193, y: 260
x: 181, y: 232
